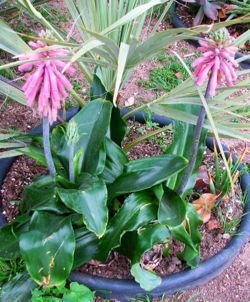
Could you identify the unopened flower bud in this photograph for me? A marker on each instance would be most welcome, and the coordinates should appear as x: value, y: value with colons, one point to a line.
x: 72, y: 135
x: 220, y: 36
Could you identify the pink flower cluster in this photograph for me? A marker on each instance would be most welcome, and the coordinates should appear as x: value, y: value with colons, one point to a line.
x: 46, y: 86
x: 217, y: 61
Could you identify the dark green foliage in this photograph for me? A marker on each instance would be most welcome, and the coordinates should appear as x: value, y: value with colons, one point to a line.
x: 75, y: 292
x: 65, y: 224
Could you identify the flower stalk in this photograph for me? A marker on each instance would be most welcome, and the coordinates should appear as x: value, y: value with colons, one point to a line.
x: 46, y: 147
x: 72, y: 137
x: 197, y: 136
x: 216, y: 62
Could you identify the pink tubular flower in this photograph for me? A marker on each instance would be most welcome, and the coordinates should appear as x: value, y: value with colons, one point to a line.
x: 217, y: 61
x: 45, y: 87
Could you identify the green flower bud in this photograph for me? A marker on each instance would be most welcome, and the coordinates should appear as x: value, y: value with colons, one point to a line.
x: 220, y: 36
x: 72, y: 135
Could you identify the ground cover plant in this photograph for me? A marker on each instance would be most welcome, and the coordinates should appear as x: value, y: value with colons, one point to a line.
x: 97, y: 199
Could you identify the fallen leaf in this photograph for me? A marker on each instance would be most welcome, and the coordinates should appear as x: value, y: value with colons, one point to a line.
x: 204, y: 205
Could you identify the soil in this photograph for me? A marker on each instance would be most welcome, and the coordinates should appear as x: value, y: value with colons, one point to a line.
x: 231, y: 286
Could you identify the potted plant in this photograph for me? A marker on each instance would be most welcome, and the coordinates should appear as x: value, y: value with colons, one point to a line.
x: 94, y: 199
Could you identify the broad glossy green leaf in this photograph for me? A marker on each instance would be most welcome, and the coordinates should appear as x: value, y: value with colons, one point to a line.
x: 41, y: 195
x: 118, y: 126
x: 48, y: 248
x: 146, y: 239
x: 115, y: 161
x: 86, y: 246
x: 138, y: 209
x: 79, y: 292
x: 145, y: 173
x: 189, y: 234
x: 9, y: 237
x: 172, y: 208
x: 90, y: 200
x: 92, y: 122
x: 19, y: 289
x: 101, y: 161
x: 147, y: 280
x: 98, y: 90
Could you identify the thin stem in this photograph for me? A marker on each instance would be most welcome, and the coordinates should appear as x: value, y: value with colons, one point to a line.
x: 197, y: 136
x: 71, y: 164
x: 77, y: 97
x: 46, y: 147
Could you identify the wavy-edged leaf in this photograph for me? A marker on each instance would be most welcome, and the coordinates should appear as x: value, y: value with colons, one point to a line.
x: 115, y: 161
x: 86, y: 246
x: 145, y: 173
x: 188, y: 233
x: 48, y: 248
x: 92, y: 124
x: 9, y: 237
x: 172, y: 209
x: 41, y: 195
x: 118, y: 127
x: 79, y: 292
x: 147, y: 280
x: 90, y: 200
x: 19, y: 289
x: 146, y: 239
x: 138, y: 209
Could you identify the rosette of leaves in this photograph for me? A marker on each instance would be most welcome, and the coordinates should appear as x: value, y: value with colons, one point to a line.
x: 208, y: 8
x: 113, y: 204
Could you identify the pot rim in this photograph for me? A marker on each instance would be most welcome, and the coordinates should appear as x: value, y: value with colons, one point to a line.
x: 125, y: 290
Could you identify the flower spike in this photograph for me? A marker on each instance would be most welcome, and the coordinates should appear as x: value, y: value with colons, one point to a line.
x: 217, y: 60
x: 46, y: 87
